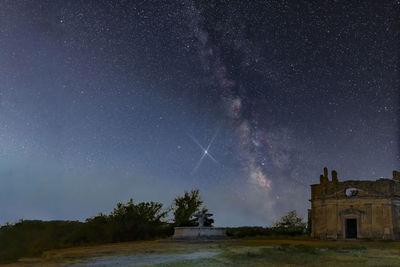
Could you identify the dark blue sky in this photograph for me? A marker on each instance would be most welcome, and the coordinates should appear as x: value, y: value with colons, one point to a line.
x: 101, y: 101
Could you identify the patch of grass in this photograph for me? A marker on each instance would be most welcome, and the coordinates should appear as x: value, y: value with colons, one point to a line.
x: 244, y: 252
x: 282, y: 254
x: 347, y: 249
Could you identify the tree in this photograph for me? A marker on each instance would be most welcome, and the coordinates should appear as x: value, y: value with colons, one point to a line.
x: 291, y: 223
x: 187, y: 205
x: 136, y: 221
x: 128, y: 221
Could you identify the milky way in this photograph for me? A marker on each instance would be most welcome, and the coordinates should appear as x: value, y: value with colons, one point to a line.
x: 101, y: 101
x: 248, y: 141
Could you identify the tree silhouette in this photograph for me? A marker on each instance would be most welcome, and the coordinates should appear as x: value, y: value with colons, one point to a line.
x: 187, y: 205
x: 291, y: 223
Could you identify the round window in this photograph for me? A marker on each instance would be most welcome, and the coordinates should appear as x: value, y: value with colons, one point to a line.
x: 351, y: 192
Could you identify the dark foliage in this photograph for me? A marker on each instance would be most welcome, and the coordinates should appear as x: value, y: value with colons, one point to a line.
x: 289, y: 225
x: 126, y: 222
x: 187, y: 205
x: 257, y: 231
x: 30, y: 238
x: 248, y: 231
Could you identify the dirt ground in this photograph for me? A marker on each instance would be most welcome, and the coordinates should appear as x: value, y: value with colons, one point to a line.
x: 241, y: 252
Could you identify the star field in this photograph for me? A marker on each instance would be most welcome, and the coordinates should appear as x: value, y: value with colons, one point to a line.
x: 101, y: 101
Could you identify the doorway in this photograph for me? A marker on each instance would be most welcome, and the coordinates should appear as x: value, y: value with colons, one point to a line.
x: 351, y: 228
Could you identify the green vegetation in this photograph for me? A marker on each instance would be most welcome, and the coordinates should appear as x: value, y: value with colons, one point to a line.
x: 311, y: 253
x: 289, y: 225
x: 239, y: 252
x: 126, y: 222
x: 30, y: 238
x: 285, y: 243
x: 187, y: 205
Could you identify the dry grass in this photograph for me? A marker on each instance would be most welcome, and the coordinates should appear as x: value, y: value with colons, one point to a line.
x: 243, y: 252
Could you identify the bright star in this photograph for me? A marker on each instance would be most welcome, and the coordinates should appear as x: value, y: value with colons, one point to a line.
x: 205, y: 151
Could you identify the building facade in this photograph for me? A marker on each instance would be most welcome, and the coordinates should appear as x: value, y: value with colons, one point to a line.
x: 355, y: 209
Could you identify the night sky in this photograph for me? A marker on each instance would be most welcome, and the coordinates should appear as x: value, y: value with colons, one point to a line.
x: 101, y: 101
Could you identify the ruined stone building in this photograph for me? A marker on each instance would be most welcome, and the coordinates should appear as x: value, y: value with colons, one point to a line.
x: 355, y: 209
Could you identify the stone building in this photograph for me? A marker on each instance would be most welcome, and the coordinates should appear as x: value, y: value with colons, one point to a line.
x: 355, y: 209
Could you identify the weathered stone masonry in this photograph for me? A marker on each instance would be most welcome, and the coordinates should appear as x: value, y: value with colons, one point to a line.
x: 355, y: 209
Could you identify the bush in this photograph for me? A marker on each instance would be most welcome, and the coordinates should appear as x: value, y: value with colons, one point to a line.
x: 127, y: 222
x: 31, y: 237
x: 248, y: 231
x: 290, y: 224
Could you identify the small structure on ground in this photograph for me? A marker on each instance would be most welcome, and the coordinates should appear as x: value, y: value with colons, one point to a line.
x: 201, y: 217
x: 201, y: 231
x: 355, y: 209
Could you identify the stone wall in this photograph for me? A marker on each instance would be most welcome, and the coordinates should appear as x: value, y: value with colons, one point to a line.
x: 374, y: 204
x: 374, y: 218
x: 199, y: 232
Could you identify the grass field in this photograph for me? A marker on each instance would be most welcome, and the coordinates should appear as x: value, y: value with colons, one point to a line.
x: 242, y: 252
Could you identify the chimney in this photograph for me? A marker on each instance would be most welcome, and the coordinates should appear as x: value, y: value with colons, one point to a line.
x: 334, y: 177
x: 326, y: 174
x: 324, y: 178
x: 396, y: 176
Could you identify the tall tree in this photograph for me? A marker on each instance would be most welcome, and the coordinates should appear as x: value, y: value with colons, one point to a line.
x: 187, y: 205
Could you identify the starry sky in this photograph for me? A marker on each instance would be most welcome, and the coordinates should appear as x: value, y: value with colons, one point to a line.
x: 101, y: 101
